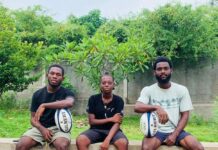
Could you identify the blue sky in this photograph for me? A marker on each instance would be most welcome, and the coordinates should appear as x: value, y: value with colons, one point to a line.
x: 60, y: 9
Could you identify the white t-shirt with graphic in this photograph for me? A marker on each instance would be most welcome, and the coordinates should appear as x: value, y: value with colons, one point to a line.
x: 173, y: 100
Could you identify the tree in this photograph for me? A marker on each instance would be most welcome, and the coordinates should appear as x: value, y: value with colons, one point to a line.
x: 92, y: 21
x: 103, y: 53
x: 18, y: 59
x: 181, y: 32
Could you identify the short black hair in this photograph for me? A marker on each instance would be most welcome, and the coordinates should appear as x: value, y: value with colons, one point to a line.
x: 107, y: 74
x: 58, y: 66
x: 162, y: 59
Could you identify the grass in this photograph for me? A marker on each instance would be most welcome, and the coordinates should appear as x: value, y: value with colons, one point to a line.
x: 14, y: 122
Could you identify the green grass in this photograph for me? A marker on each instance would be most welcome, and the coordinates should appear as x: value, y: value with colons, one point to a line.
x: 13, y: 123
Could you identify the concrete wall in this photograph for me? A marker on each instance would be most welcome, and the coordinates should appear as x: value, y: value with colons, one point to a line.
x: 202, y: 82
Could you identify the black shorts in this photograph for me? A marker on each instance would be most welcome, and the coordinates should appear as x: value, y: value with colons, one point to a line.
x: 162, y: 136
x: 98, y: 135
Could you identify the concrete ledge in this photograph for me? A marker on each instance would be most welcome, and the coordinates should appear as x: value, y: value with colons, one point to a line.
x: 9, y: 144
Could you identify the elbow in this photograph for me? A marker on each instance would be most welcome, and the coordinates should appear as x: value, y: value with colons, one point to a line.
x: 69, y: 104
x: 136, y: 109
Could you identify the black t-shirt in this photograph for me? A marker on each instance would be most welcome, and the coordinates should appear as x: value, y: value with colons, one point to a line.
x: 43, y: 96
x: 101, y: 111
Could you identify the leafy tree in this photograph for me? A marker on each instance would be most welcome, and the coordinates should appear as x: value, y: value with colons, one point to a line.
x: 179, y: 31
x: 92, y: 21
x: 31, y: 23
x: 18, y: 59
x: 103, y: 53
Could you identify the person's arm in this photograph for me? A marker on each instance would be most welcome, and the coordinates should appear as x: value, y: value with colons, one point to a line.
x: 117, y: 118
x: 46, y: 133
x: 181, y: 125
x: 142, y: 108
x: 67, y: 103
x: 112, y: 132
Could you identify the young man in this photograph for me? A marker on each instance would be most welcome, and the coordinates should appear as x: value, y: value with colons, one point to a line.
x: 172, y: 103
x: 105, y: 111
x: 45, y: 101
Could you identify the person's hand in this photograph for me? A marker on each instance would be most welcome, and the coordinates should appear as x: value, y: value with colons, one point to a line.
x: 162, y: 115
x: 171, y: 139
x: 39, y: 112
x: 117, y: 118
x: 105, y: 145
x: 47, y: 134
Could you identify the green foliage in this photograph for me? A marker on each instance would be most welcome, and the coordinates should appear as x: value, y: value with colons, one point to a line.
x: 180, y: 31
x: 92, y: 21
x: 67, y: 84
x: 8, y: 100
x: 18, y: 59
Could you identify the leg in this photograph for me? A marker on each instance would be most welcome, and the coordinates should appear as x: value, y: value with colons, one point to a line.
x: 82, y: 142
x: 61, y: 143
x: 120, y: 141
x: 25, y: 143
x: 121, y: 144
x: 150, y: 143
x: 88, y: 137
x: 190, y: 143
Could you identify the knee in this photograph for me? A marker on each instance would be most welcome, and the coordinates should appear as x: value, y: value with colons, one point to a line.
x: 122, y: 142
x: 62, y: 145
x: 21, y: 145
x: 146, y: 147
x: 82, y: 140
x: 197, y: 146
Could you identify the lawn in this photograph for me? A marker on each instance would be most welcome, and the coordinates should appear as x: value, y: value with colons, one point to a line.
x: 14, y: 122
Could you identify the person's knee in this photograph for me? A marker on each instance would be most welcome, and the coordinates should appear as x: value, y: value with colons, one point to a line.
x: 197, y: 146
x: 146, y: 147
x: 62, y: 144
x: 24, y: 144
x: 82, y: 140
x: 122, y: 142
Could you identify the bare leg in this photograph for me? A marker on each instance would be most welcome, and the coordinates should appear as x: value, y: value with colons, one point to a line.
x: 25, y: 143
x: 82, y: 142
x: 150, y: 143
x: 61, y: 143
x: 121, y: 144
x: 190, y: 143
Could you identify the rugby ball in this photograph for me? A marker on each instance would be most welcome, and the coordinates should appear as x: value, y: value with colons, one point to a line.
x: 149, y: 124
x: 63, y: 120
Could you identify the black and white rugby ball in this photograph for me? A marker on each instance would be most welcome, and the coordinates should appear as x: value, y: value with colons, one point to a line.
x: 63, y: 120
x: 149, y: 124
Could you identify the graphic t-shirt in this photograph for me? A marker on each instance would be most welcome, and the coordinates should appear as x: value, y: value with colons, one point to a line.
x: 173, y: 100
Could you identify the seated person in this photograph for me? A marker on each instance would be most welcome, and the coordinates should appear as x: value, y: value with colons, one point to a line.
x: 45, y: 101
x: 105, y: 113
x: 172, y: 103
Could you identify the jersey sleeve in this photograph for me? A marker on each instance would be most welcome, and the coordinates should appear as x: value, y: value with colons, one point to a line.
x: 144, y: 96
x: 69, y: 93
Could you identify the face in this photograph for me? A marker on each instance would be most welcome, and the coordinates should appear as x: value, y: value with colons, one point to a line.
x: 163, y: 72
x: 55, y: 77
x: 107, y: 84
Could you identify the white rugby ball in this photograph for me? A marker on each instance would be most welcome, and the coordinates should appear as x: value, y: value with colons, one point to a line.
x: 63, y: 120
x: 149, y: 124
